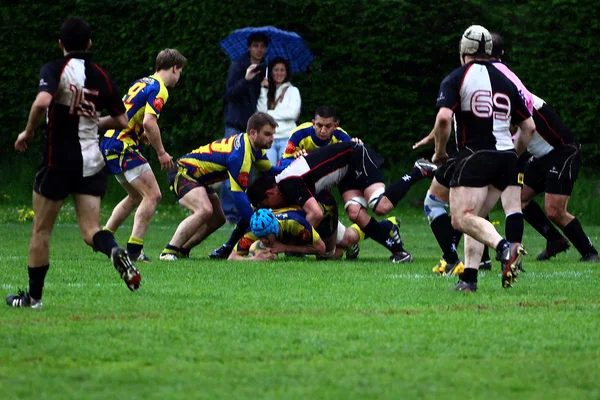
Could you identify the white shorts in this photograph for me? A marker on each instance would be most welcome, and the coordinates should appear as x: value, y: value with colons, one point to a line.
x: 132, y: 174
x: 341, y: 230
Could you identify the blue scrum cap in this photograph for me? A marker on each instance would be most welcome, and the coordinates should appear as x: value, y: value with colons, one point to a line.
x: 263, y: 223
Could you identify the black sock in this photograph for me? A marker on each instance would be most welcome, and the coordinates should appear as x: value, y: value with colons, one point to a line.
x: 485, y: 256
x: 577, y: 236
x: 444, y: 234
x: 37, y: 276
x: 500, y: 248
x: 534, y: 215
x: 470, y: 275
x: 397, y: 190
x: 134, y: 249
x: 238, y: 233
x: 456, y: 236
x: 104, y: 241
x: 380, y: 232
x: 514, y: 227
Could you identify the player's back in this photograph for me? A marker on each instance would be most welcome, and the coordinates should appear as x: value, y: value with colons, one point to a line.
x: 147, y: 95
x: 81, y: 90
x: 483, y: 100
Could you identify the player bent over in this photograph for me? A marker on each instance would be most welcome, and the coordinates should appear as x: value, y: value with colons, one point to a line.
x: 73, y: 90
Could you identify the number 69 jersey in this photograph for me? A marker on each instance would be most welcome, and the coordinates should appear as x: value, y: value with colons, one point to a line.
x: 80, y: 91
x: 485, y: 103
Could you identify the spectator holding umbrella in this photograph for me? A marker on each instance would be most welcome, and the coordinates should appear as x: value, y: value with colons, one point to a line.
x: 281, y: 100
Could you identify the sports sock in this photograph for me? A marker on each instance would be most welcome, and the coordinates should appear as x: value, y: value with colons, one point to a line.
x: 485, y: 256
x: 574, y: 232
x: 397, y: 190
x: 534, y: 215
x: 104, y: 241
x: 238, y: 233
x: 500, y: 248
x: 171, y: 250
x: 104, y: 228
x: 135, y: 245
x: 469, y: 275
x: 37, y: 275
x: 514, y: 227
x: 380, y: 232
x: 444, y: 234
x: 456, y: 236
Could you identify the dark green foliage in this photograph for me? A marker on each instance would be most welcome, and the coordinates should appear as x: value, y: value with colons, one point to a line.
x: 379, y: 63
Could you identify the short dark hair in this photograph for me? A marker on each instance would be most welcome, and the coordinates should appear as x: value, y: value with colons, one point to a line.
x: 497, y: 46
x: 168, y: 58
x: 326, y: 112
x: 75, y: 34
x: 258, y: 37
x: 260, y: 119
x: 257, y: 190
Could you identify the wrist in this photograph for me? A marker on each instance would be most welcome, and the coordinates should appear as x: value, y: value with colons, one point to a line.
x: 161, y: 153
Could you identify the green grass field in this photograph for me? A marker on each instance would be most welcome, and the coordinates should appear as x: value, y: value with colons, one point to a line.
x: 295, y: 328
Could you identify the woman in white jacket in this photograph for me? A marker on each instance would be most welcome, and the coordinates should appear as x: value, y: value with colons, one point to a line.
x: 280, y: 99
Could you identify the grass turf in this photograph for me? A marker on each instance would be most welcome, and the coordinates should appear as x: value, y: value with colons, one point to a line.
x: 294, y: 328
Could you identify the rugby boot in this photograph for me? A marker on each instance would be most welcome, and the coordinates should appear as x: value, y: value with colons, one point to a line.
x: 510, y: 257
x: 22, y: 299
x: 126, y: 269
x: 553, y: 248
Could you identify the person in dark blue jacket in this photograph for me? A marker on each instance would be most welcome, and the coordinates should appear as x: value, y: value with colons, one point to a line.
x: 242, y: 90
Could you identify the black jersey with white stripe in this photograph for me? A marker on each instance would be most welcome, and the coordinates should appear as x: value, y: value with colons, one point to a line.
x: 322, y: 168
x: 80, y: 91
x: 550, y: 130
x: 485, y: 102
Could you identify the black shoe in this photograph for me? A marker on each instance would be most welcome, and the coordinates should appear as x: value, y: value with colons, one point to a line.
x: 22, y: 299
x: 590, y: 257
x: 126, y: 269
x: 553, y: 248
x: 401, y: 257
x: 427, y: 167
x: 485, y: 265
x: 352, y: 252
x: 466, y: 287
x: 511, y: 257
x: 297, y: 255
x: 222, y: 252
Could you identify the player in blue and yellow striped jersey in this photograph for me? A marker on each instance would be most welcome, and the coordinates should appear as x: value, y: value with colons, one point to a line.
x: 122, y: 151
x: 323, y: 130
x: 282, y: 230
x: 230, y: 158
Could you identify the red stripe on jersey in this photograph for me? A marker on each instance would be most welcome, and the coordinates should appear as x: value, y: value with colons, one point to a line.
x: 548, y: 125
x: 105, y: 78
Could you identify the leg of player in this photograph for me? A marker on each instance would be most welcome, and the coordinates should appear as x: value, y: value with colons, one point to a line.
x: 556, y: 208
x: 535, y: 216
x: 45, y: 213
x: 199, y: 204
x: 87, y: 209
x: 124, y: 208
x: 384, y: 232
x: 216, y: 220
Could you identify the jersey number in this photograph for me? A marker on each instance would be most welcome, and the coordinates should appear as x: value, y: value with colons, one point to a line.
x: 133, y: 90
x: 483, y: 103
x: 81, y: 105
x: 223, y: 145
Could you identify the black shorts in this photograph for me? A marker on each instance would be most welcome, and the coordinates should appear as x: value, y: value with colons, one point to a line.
x: 444, y: 172
x: 364, y: 169
x: 556, y: 172
x: 59, y: 183
x: 329, y: 222
x: 180, y: 183
x: 485, y: 167
x: 521, y: 162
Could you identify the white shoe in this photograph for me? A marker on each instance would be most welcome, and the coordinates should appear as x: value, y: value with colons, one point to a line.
x: 168, y: 257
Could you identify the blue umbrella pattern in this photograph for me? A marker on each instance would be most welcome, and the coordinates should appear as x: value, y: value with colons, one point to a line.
x: 284, y: 44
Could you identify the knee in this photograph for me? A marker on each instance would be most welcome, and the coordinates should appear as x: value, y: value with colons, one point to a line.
x: 353, y: 211
x: 554, y: 213
x: 456, y: 222
x: 156, y: 198
x: 135, y: 199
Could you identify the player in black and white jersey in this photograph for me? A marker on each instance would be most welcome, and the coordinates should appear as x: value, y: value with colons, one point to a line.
x: 73, y: 91
x: 483, y: 104
x: 356, y: 171
x: 553, y: 169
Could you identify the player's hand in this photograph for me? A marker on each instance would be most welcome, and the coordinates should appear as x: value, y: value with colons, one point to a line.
x: 439, y: 158
x: 166, y: 161
x: 300, y: 153
x: 357, y: 140
x: 426, y: 140
x: 264, y: 256
x: 276, y: 247
x: 251, y: 72
x: 21, y: 144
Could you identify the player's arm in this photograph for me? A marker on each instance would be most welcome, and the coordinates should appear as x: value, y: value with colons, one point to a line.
x: 109, y: 122
x: 36, y: 116
x: 152, y: 131
x: 318, y: 247
x: 314, y: 213
x: 524, y: 135
x: 441, y: 133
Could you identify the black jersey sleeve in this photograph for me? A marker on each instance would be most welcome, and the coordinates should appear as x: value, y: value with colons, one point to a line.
x: 449, y: 94
x: 49, y: 77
